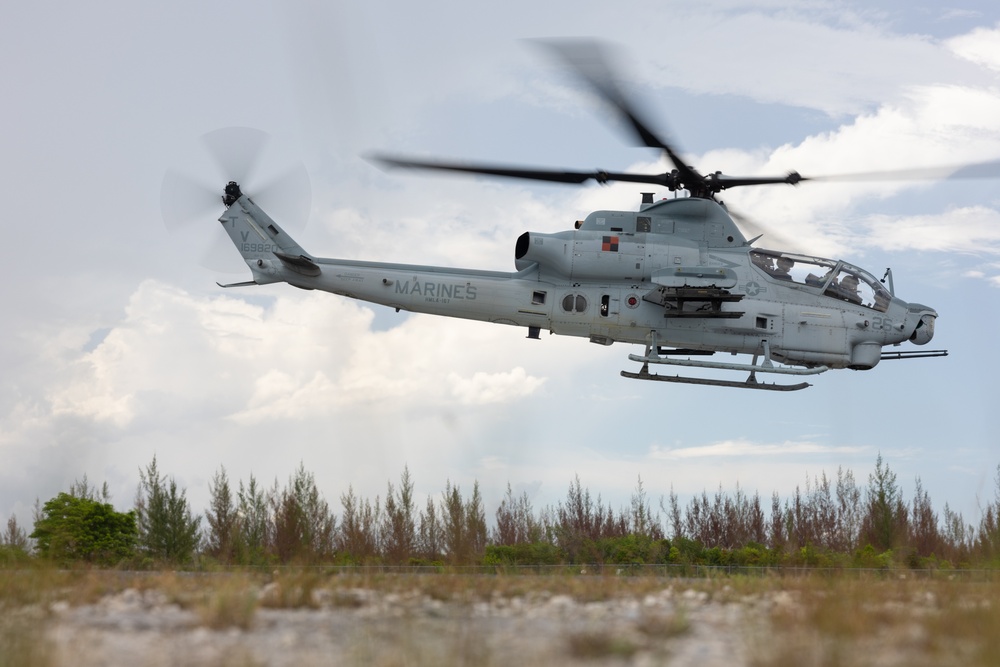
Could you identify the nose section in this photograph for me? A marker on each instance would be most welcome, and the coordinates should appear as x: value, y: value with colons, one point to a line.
x: 923, y: 329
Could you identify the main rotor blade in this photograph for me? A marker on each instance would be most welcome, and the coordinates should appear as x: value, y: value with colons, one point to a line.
x: 590, y: 60
x: 550, y: 175
x: 756, y: 229
x: 720, y: 181
x: 948, y: 173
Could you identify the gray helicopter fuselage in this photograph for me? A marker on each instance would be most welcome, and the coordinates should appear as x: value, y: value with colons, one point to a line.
x: 678, y: 272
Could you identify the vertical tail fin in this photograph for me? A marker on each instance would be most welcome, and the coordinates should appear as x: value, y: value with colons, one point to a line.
x: 260, y: 240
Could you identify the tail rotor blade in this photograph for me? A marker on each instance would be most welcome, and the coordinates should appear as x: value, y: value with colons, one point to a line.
x: 190, y: 204
x: 287, y: 197
x: 236, y: 151
x: 217, y: 253
x: 185, y: 200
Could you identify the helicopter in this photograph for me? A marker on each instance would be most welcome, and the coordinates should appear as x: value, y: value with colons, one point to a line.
x: 675, y: 276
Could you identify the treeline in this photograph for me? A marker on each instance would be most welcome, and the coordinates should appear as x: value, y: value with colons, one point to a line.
x: 832, y: 522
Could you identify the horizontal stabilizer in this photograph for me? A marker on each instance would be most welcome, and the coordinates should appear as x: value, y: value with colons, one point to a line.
x: 243, y: 284
x: 298, y: 263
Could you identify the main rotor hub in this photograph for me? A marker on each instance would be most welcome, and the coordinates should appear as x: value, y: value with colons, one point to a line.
x: 232, y: 193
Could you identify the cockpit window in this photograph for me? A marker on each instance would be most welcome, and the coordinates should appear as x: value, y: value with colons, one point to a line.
x: 859, y: 288
x: 836, y: 279
x: 794, y: 268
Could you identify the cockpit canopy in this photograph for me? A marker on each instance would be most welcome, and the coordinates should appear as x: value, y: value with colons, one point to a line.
x: 839, y: 280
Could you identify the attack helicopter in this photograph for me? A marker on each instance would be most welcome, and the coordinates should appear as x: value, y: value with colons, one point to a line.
x: 676, y: 276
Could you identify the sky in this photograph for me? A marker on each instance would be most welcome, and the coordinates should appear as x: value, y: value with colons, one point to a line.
x: 117, y: 345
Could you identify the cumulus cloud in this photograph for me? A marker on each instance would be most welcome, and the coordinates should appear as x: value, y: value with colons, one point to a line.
x: 935, y: 127
x: 484, y: 388
x: 973, y: 230
x: 981, y: 46
x: 297, y: 357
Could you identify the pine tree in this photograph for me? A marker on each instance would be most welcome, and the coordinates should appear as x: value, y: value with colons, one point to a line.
x: 475, y: 525
x: 453, y: 525
x: 399, y: 532
x: 223, y: 520
x: 989, y: 526
x: 924, y: 536
x: 304, y: 527
x: 515, y: 521
x: 885, y: 520
x: 430, y: 539
x: 254, y: 524
x: 167, y: 531
x: 15, y: 537
x: 359, y: 527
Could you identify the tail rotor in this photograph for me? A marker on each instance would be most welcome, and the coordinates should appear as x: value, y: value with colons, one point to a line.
x: 192, y: 197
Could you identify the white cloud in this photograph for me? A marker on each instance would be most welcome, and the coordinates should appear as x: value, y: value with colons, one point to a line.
x: 981, y: 46
x: 973, y: 230
x: 279, y: 395
x: 938, y: 126
x: 484, y: 388
x: 746, y: 448
x: 803, y: 59
x: 300, y: 357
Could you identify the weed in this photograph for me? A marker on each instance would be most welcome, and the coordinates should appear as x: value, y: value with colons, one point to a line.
x: 663, y: 625
x: 886, y: 621
x: 231, y: 605
x: 598, y: 645
x: 22, y: 641
x: 293, y: 590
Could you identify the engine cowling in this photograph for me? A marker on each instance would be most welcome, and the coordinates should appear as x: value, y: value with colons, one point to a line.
x: 551, y: 251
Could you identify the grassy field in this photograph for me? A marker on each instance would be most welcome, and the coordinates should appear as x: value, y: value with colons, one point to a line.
x: 775, y: 619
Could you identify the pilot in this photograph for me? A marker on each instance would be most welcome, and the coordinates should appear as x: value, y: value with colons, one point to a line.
x: 881, y: 300
x: 849, y: 288
x: 784, y: 266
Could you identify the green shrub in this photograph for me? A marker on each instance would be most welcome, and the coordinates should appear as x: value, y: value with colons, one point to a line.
x: 632, y: 549
x: 868, y: 557
x: 531, y: 553
x: 82, y: 529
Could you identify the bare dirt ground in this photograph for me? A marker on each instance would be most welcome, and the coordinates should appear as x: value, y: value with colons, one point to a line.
x: 455, y: 620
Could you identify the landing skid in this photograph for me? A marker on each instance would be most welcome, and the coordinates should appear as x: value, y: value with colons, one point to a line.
x: 652, y: 356
x: 749, y: 383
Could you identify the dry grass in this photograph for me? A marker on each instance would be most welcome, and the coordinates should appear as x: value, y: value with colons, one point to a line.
x: 22, y: 640
x: 230, y: 604
x: 601, y: 644
x: 883, y: 621
x: 823, y: 620
x: 293, y: 589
